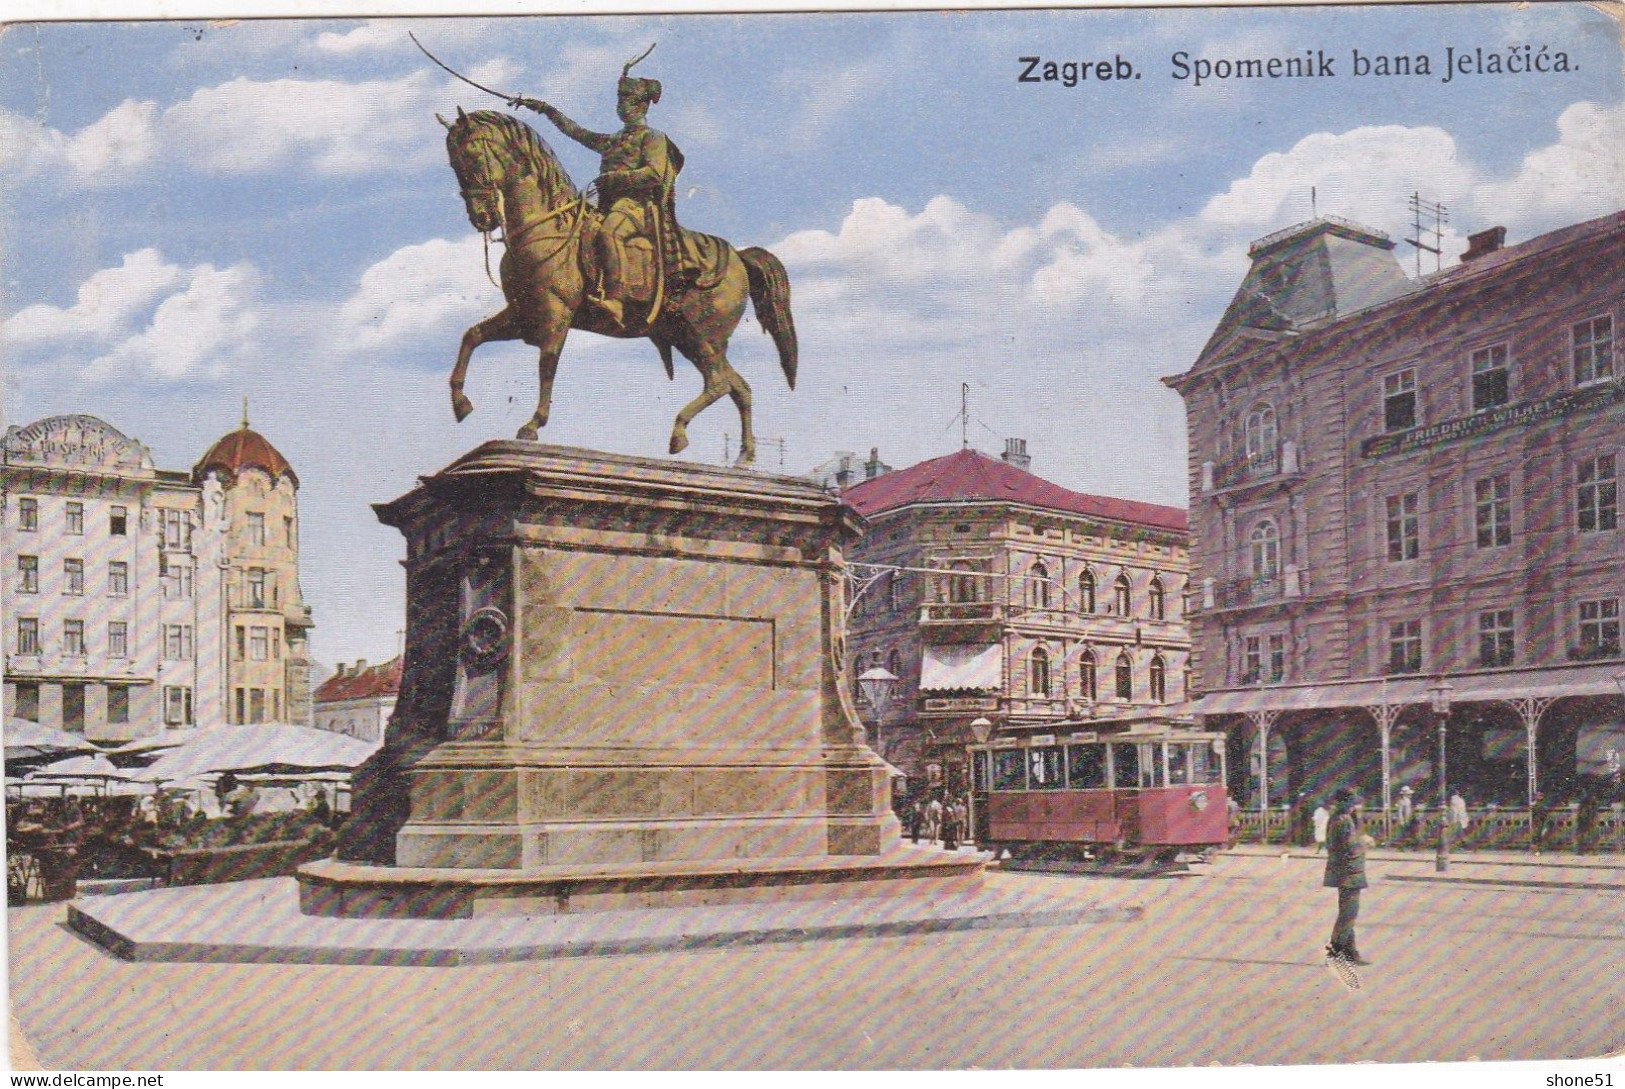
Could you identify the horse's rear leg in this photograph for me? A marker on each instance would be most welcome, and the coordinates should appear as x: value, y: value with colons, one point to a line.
x: 499, y: 326
x: 711, y: 364
x: 739, y: 390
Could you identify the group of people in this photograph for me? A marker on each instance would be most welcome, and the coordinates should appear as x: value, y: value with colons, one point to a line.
x: 936, y: 819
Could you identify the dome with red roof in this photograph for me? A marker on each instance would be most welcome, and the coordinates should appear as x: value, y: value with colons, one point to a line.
x: 242, y: 449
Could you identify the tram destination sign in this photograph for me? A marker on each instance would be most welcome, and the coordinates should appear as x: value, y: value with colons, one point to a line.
x: 1601, y: 395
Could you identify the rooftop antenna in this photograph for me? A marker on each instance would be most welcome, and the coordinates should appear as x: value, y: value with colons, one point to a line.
x: 1314, y: 207
x: 964, y: 415
x: 1440, y: 216
x: 780, y: 443
x: 245, y: 412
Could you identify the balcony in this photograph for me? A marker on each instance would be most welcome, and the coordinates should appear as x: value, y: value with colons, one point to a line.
x: 1279, y: 462
x: 961, y: 612
x: 1245, y: 592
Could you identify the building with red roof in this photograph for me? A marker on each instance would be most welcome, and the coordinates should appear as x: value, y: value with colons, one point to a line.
x: 993, y: 593
x: 357, y: 700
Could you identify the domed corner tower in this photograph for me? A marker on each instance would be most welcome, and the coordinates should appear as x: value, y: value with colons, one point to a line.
x: 266, y: 641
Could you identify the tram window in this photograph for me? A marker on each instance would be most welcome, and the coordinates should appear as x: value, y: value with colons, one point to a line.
x: 1150, y: 764
x: 1010, y: 770
x: 978, y: 771
x: 1125, y: 766
x: 1204, y: 763
x: 1179, y: 765
x: 1044, y: 768
x: 1085, y: 766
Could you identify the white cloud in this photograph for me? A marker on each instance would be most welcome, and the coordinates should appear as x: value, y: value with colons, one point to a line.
x: 1582, y: 174
x: 106, y: 303
x: 422, y: 289
x: 121, y: 139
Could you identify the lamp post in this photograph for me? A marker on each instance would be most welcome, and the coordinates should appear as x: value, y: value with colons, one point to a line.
x: 878, y: 685
x: 1439, y: 697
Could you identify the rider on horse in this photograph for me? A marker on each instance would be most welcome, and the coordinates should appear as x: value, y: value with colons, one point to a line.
x: 636, y: 185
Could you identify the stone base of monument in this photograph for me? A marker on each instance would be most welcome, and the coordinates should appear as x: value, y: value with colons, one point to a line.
x: 260, y: 922
x: 624, y: 688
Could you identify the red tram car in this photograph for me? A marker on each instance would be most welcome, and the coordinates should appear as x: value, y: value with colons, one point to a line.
x: 1144, y: 793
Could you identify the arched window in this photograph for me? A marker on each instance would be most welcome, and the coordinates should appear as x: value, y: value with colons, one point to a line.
x: 1266, y: 551
x: 1260, y: 434
x: 1038, y: 586
x: 1158, y: 602
x: 1122, y: 596
x: 1086, y: 591
x: 963, y: 587
x: 1086, y: 676
x: 894, y: 662
x: 1125, y: 676
x: 1038, y: 673
x: 1159, y: 680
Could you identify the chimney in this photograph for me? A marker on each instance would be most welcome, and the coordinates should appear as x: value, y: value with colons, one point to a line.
x: 1015, y: 453
x: 873, y: 467
x: 1484, y: 242
x: 360, y: 667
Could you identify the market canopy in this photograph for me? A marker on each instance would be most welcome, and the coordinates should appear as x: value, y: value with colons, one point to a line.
x: 94, y: 766
x: 25, y: 739
x: 256, y: 747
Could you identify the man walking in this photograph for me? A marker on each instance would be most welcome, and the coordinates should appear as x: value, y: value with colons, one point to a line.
x: 1345, y: 872
x: 1323, y: 819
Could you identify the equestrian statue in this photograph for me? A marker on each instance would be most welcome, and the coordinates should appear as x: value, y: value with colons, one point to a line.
x: 622, y: 267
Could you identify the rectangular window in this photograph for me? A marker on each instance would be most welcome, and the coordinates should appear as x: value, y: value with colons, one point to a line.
x: 76, y: 518
x: 1596, y: 493
x: 118, y: 639
x: 256, y: 705
x: 1126, y: 766
x: 1044, y: 768
x: 28, y: 515
x: 259, y: 644
x: 256, y: 587
x: 1492, y: 511
x: 28, y: 574
x: 897, y: 589
x: 73, y: 638
x: 177, y: 706
x: 1085, y: 767
x: 242, y: 642
x: 1495, y: 639
x: 276, y: 644
x: 1490, y: 386
x: 1405, y: 646
x: 26, y: 706
x: 1009, y: 770
x: 177, y: 578
x: 1593, y: 350
x: 73, y: 573
x: 1399, y: 400
x: 1253, y: 660
x: 242, y: 715
x: 28, y: 635
x: 118, y: 578
x: 177, y: 642
x: 118, y: 704
x: 1599, y: 628
x: 1404, y: 539
x: 276, y: 705
x: 1277, y: 657
x: 177, y: 530
x: 287, y: 531
x: 118, y: 521
x: 256, y: 528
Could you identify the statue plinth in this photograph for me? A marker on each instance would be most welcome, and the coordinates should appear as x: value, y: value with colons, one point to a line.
x: 624, y: 686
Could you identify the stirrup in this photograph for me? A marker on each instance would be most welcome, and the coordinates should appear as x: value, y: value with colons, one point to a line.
x: 611, y: 306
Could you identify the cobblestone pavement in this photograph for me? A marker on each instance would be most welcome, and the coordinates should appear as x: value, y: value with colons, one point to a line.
x: 1502, y: 960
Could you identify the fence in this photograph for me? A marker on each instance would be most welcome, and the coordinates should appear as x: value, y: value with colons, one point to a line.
x: 1487, y: 829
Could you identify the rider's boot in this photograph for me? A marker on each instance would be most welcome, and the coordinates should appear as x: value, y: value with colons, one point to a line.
x: 609, y: 285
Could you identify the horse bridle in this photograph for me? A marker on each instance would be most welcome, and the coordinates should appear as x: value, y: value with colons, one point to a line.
x: 509, y: 239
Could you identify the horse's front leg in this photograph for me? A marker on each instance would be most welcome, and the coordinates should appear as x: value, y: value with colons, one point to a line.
x: 549, y: 345
x: 499, y: 326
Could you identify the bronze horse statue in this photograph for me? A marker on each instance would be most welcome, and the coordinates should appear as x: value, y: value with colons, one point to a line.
x: 511, y: 181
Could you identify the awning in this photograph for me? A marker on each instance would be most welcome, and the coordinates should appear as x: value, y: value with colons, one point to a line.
x: 959, y: 668
x: 1551, y: 682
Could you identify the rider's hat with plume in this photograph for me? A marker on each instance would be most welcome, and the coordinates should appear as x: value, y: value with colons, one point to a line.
x: 636, y: 87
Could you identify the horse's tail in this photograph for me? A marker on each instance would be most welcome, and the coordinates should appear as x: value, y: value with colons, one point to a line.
x: 770, y: 295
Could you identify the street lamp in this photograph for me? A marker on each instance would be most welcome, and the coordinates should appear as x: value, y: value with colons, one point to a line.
x: 981, y: 729
x: 1439, y: 697
x: 878, y: 685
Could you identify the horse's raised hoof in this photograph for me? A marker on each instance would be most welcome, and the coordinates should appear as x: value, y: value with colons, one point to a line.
x: 461, y: 406
x: 527, y: 433
x: 679, y: 443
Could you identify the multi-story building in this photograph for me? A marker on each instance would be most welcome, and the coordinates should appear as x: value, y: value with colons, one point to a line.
x: 268, y: 624
x: 116, y: 583
x: 993, y: 593
x: 1404, y: 501
x: 357, y: 700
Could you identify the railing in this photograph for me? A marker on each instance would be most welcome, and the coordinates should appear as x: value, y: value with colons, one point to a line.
x: 1245, y: 470
x: 938, y: 612
x: 1488, y: 829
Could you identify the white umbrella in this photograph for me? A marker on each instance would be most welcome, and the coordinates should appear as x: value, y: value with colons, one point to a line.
x: 258, y: 745
x: 24, y: 739
x: 80, y: 767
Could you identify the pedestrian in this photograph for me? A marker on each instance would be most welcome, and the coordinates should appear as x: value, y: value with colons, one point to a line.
x: 1322, y: 818
x: 1345, y: 872
x: 1301, y: 833
x: 962, y: 816
x: 1458, y: 813
x: 1405, y: 815
x: 933, y: 819
x: 1585, y: 822
x: 950, y: 827
x: 1233, y: 825
x: 916, y: 820
x: 1540, y: 820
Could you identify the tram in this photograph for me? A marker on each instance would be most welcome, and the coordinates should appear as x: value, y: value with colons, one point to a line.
x: 1143, y: 793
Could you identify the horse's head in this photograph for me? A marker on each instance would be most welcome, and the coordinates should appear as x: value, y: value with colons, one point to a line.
x: 488, y: 152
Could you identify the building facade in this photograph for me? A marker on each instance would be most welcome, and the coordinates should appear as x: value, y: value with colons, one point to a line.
x: 993, y: 593
x: 1405, y: 492
x: 117, y: 583
x: 357, y: 700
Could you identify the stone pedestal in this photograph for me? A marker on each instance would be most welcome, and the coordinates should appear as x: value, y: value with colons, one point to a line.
x: 622, y: 670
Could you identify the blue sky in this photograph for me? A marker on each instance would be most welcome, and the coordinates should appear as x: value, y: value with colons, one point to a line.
x: 193, y: 212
